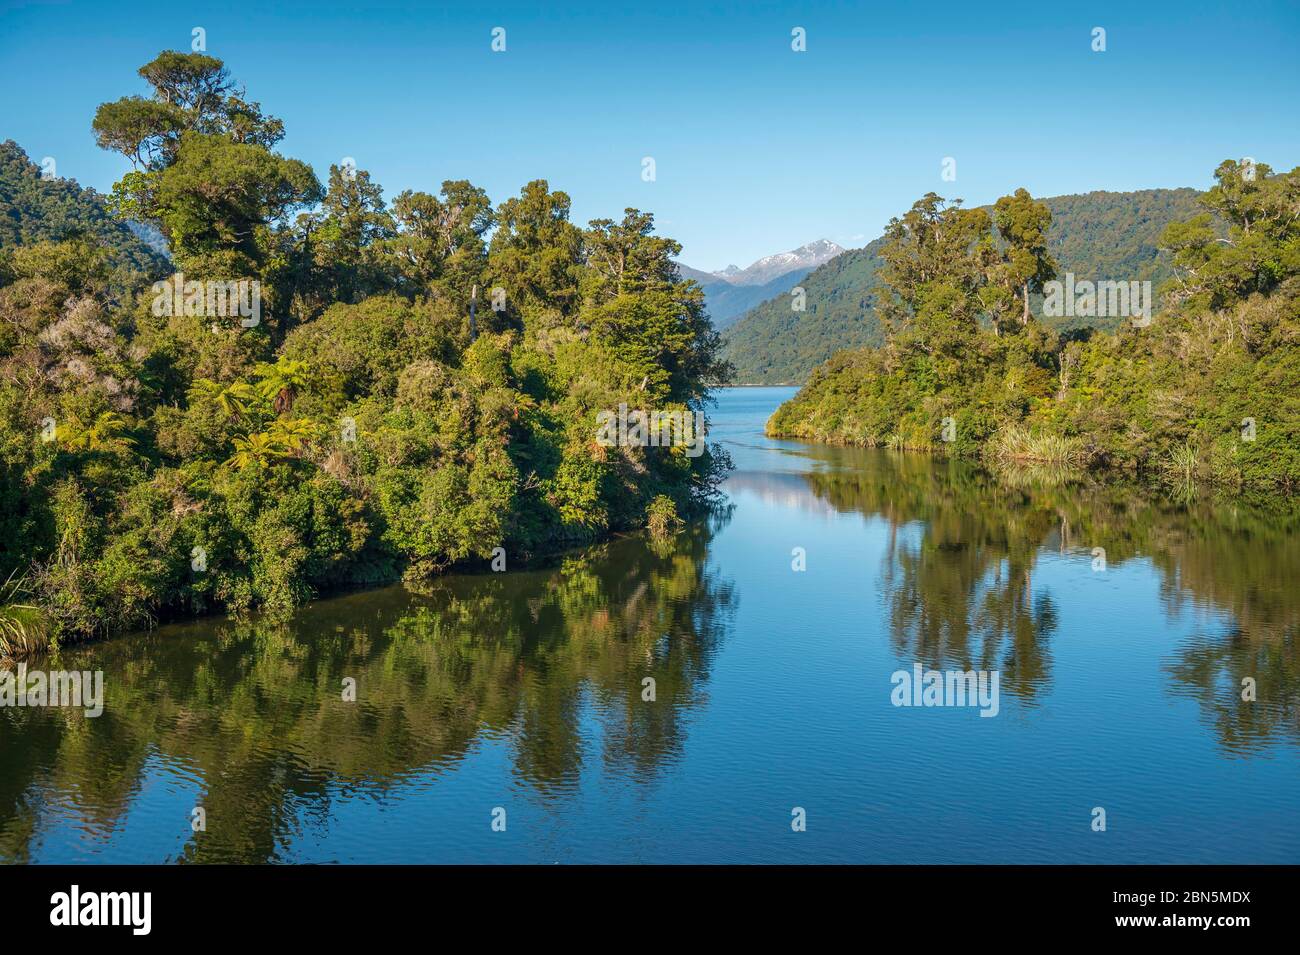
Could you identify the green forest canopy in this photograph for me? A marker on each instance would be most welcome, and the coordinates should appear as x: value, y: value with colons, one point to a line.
x: 1100, y: 235
x: 155, y: 463
x: 36, y: 209
x: 1207, y: 391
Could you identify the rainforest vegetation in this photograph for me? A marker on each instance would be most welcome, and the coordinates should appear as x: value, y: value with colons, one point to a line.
x: 1207, y: 391
x: 453, y: 660
x: 419, y: 388
x: 419, y: 385
x: 1097, y: 236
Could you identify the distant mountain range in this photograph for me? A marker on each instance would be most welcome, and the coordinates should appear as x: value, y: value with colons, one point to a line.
x: 1099, y: 235
x: 731, y: 292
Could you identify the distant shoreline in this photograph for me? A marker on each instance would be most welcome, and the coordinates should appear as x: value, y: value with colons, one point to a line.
x: 748, y: 384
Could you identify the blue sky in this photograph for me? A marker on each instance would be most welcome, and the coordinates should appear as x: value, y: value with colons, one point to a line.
x: 757, y: 148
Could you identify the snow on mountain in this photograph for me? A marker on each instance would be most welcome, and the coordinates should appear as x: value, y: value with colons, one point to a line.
x: 770, y: 266
x: 732, y: 291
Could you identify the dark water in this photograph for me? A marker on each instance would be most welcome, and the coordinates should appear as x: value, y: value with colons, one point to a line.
x: 1119, y: 688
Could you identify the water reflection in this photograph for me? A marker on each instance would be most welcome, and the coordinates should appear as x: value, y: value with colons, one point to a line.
x: 964, y: 545
x: 253, y: 713
x: 532, y: 682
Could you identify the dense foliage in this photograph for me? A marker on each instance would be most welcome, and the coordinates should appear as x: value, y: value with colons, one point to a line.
x: 36, y: 207
x: 419, y: 388
x: 452, y: 661
x: 463, y: 658
x: 1208, y: 390
x: 1100, y: 235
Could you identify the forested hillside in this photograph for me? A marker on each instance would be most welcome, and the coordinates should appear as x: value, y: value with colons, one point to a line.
x: 774, y: 344
x: 731, y: 293
x: 728, y: 303
x: 1100, y: 235
x: 333, y: 389
x: 33, y: 209
x: 1207, y: 391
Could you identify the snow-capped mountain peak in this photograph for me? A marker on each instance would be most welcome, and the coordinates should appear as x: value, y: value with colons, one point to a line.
x: 770, y: 266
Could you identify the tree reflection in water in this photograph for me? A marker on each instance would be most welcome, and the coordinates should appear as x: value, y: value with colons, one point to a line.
x: 253, y: 711
x: 546, y: 665
x: 964, y: 544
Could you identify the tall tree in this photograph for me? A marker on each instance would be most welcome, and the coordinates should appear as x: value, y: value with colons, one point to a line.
x: 1022, y: 223
x: 536, y: 251
x: 204, y: 170
x: 441, y: 237
x: 352, y: 222
x: 935, y: 251
x: 1262, y: 246
x: 626, y: 256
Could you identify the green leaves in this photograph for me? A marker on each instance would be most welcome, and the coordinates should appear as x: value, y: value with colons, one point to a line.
x: 233, y: 400
x: 535, y: 251
x: 205, y: 173
x: 934, y: 243
x: 257, y: 450
x: 107, y: 434
x: 145, y: 131
x: 281, y: 382
x: 218, y: 196
x: 1022, y: 223
x: 1169, y: 399
x: 360, y: 431
x: 1262, y: 246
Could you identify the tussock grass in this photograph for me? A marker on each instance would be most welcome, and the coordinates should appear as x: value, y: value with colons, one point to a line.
x: 1182, y: 465
x: 1016, y: 443
x: 22, y: 627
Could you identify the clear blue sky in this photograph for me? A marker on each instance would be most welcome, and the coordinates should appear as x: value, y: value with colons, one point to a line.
x: 758, y: 148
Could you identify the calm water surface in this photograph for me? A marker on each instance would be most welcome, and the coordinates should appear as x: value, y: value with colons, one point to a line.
x: 1119, y: 688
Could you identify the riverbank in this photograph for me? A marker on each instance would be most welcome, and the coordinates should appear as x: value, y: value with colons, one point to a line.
x: 605, y: 701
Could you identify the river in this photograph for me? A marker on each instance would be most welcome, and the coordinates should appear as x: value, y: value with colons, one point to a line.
x: 508, y: 717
